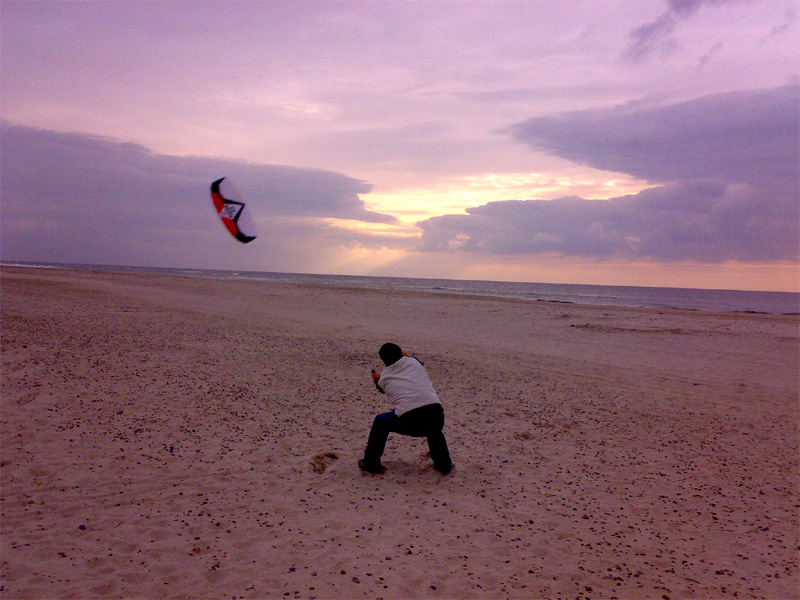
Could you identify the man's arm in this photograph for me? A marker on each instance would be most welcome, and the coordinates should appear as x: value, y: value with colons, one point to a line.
x: 376, y: 377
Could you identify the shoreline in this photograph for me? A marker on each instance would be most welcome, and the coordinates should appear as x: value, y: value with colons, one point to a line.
x: 198, y: 274
x: 535, y: 292
x: 169, y: 436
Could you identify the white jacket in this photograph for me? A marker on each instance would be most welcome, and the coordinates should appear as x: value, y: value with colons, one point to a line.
x: 408, y: 386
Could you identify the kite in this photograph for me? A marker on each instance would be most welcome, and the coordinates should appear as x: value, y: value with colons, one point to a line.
x: 231, y: 209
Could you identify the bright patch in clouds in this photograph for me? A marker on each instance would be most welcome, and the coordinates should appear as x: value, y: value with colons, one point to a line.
x: 456, y: 196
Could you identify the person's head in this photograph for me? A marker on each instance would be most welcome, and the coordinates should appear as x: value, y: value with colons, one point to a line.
x: 390, y: 353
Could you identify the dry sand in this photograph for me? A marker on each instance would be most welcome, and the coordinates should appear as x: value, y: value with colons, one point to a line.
x: 168, y: 437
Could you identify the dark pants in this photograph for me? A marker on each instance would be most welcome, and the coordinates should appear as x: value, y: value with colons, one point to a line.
x: 425, y: 421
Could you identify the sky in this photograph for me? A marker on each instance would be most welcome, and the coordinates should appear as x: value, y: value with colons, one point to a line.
x: 622, y: 142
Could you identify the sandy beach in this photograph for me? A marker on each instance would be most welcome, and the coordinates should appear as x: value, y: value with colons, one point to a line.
x: 167, y: 437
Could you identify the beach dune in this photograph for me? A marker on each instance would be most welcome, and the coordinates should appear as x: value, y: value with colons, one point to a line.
x: 168, y: 437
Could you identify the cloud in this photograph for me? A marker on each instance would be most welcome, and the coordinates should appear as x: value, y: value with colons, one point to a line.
x: 720, y: 224
x: 739, y: 137
x: 728, y: 167
x: 790, y: 18
x: 708, y: 55
x: 656, y: 37
x: 77, y: 198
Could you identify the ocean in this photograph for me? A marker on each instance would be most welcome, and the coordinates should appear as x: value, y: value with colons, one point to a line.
x: 784, y: 303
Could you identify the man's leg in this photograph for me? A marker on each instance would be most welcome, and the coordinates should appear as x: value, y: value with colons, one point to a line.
x: 382, y: 426
x: 428, y: 422
x: 439, y: 452
x: 436, y: 441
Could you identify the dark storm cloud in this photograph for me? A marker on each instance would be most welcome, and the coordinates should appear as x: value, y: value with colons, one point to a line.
x: 729, y: 166
x: 73, y: 197
x: 739, y: 137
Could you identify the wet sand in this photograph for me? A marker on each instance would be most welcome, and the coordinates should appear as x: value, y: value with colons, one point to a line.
x: 168, y: 437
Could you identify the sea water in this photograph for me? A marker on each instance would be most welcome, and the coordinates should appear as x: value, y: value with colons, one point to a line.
x: 601, y: 295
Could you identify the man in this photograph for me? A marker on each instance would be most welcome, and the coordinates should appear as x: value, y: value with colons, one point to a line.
x: 417, y: 410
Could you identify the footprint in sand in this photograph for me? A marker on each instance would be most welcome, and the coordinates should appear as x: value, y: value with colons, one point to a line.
x: 320, y: 462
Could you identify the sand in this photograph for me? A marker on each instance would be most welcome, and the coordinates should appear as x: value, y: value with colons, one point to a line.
x: 168, y: 437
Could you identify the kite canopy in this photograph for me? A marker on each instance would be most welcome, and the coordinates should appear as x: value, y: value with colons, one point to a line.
x: 231, y: 210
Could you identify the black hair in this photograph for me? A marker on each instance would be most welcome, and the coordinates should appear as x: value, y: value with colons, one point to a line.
x: 390, y: 353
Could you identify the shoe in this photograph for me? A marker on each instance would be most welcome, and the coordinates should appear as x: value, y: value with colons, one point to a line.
x: 364, y: 466
x: 444, y: 470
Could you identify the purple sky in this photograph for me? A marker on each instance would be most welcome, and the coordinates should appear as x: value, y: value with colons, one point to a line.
x: 623, y: 142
